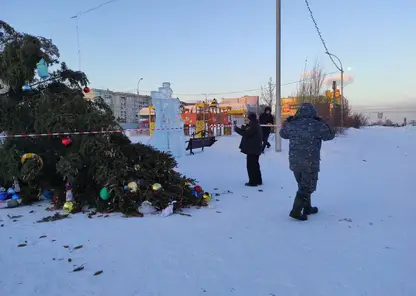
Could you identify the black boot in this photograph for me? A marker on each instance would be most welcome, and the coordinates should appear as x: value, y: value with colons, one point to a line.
x: 309, y: 209
x: 298, y: 206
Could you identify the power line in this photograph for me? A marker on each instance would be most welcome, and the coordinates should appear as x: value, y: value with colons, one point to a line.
x: 238, y: 91
x: 319, y: 31
x: 94, y: 8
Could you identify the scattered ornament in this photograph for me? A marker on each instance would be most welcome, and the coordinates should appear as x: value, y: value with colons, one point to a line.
x: 168, y: 210
x: 26, y: 87
x: 42, y: 69
x: 11, y: 191
x: 3, y: 195
x: 34, y: 156
x: 68, y: 206
x: 69, y: 196
x: 15, y: 196
x: 126, y: 188
x: 46, y: 194
x: 105, y: 193
x: 197, y: 188
x: 86, y: 90
x: 146, y: 208
x: 132, y: 186
x: 156, y: 187
x: 206, y: 197
x: 137, y: 167
x: 66, y: 141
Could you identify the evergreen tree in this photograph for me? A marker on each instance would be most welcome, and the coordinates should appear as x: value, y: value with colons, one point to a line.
x: 91, y: 162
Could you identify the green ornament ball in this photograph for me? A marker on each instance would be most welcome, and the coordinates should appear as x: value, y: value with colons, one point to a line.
x: 105, y: 194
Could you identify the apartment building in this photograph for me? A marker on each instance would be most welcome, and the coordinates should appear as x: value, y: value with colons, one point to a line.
x: 125, y: 106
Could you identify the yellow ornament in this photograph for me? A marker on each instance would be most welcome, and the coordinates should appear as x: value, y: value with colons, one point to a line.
x: 68, y: 206
x: 207, y: 197
x: 156, y: 186
x: 132, y: 186
x: 30, y: 156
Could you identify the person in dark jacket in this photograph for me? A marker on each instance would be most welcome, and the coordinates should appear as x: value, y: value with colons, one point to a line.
x: 266, y: 118
x: 251, y: 145
x: 305, y: 132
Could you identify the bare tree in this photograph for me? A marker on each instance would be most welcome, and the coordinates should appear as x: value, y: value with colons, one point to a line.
x: 268, y: 93
x: 310, y: 88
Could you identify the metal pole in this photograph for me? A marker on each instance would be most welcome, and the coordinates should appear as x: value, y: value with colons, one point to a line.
x: 334, y: 103
x: 138, y: 86
x: 342, y: 97
x: 341, y: 69
x: 278, y: 111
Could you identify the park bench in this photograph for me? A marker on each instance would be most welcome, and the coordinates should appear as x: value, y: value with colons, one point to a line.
x: 200, y: 143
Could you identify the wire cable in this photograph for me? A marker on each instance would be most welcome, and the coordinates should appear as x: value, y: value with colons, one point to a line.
x: 237, y: 91
x: 319, y: 33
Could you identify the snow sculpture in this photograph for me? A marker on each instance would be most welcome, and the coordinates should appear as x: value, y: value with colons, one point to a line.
x: 168, y: 135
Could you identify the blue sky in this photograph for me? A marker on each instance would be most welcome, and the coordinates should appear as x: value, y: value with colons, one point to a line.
x: 221, y: 46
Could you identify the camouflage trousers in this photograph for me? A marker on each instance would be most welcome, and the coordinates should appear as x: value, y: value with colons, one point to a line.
x: 307, y: 181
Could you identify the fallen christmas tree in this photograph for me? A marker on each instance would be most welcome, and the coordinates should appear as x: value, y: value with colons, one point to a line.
x: 81, y: 164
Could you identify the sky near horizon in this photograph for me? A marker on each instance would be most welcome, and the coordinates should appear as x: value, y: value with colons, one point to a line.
x: 228, y: 46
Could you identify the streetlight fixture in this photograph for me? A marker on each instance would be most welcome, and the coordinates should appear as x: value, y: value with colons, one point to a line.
x: 278, y: 111
x: 138, y: 86
x: 341, y: 69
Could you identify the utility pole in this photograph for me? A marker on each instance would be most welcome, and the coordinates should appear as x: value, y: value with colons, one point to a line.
x: 278, y: 111
x: 138, y: 86
x: 334, y: 103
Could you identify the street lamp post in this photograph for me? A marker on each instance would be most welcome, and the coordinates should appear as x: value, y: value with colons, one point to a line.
x: 278, y: 111
x: 341, y: 69
x: 138, y: 86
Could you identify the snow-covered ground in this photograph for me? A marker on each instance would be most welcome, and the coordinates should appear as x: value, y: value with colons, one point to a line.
x: 361, y: 243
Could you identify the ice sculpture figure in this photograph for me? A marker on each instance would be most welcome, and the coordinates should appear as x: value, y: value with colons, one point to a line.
x: 168, y: 135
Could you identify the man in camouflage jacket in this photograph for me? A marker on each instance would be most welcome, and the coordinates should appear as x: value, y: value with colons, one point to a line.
x: 305, y: 132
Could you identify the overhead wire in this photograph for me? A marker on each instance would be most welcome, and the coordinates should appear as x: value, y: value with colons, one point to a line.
x: 320, y: 34
x: 237, y: 91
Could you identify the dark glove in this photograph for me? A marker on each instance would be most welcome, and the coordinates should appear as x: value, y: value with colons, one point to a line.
x: 290, y: 118
x: 318, y: 118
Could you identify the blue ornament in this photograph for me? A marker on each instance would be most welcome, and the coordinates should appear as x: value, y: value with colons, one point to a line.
x: 11, y: 191
x: 47, y: 194
x: 42, y: 69
x: 2, y: 189
x: 26, y: 87
x: 126, y: 187
x: 3, y: 195
x: 15, y: 196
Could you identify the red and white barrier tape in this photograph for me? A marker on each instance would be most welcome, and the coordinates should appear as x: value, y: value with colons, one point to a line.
x: 79, y: 133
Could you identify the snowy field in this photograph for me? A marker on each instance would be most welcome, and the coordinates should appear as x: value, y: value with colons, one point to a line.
x: 361, y: 243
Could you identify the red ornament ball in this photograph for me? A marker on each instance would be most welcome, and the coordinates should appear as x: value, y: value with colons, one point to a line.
x: 66, y: 142
x: 86, y: 90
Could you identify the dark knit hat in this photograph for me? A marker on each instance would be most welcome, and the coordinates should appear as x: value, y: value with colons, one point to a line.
x: 252, y: 116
